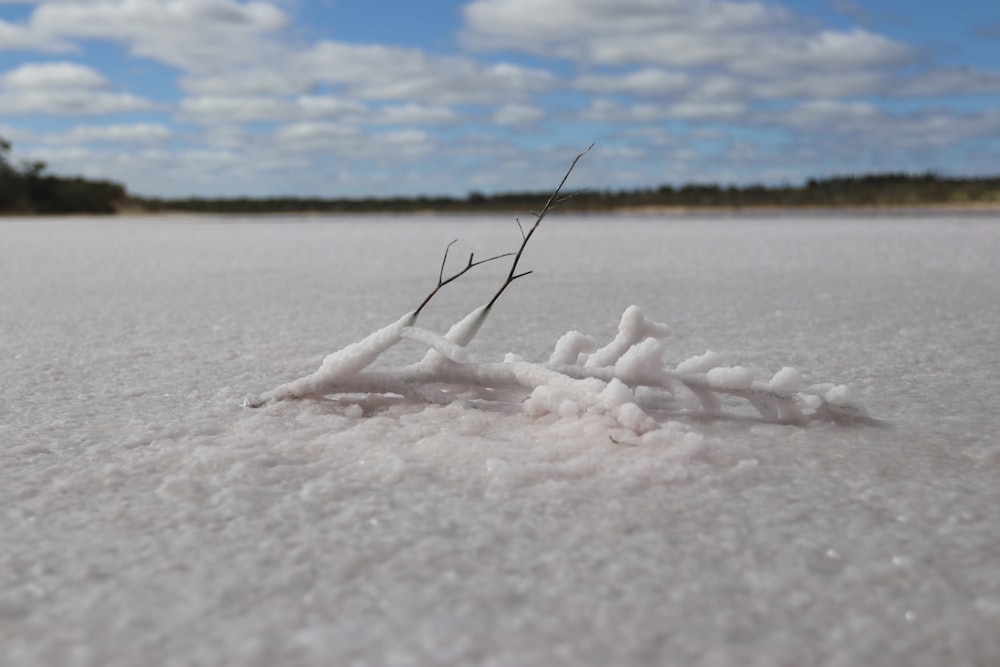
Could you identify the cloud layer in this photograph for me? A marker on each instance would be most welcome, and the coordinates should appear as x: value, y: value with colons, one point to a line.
x: 237, y: 99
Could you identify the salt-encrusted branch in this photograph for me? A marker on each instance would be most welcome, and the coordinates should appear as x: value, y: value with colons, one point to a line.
x: 627, y: 379
x: 633, y: 361
x: 344, y: 363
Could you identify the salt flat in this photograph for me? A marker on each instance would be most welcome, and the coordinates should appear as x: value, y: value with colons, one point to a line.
x: 146, y: 516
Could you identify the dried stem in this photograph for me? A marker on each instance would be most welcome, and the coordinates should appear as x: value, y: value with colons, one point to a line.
x: 442, y: 281
x: 553, y: 201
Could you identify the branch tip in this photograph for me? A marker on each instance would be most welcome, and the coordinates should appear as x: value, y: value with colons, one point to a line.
x: 444, y: 260
x: 512, y: 275
x: 554, y: 199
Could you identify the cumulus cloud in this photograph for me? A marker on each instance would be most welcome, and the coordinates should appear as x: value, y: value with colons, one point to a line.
x: 339, y: 140
x: 132, y: 133
x: 853, y: 125
x: 612, y: 111
x: 645, y: 82
x: 374, y: 72
x: 228, y: 109
x: 645, y: 78
x: 518, y: 114
x: 62, y: 88
x: 14, y: 37
x: 274, y: 77
x: 752, y: 36
x: 184, y: 33
x: 52, y: 75
x: 949, y: 81
x: 671, y: 44
x: 414, y: 114
x: 371, y: 84
x: 605, y: 31
x: 842, y: 84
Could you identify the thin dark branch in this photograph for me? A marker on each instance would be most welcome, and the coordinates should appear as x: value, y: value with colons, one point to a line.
x: 554, y: 200
x: 444, y: 260
x: 442, y: 281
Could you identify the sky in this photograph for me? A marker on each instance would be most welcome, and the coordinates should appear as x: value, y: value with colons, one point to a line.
x: 362, y: 98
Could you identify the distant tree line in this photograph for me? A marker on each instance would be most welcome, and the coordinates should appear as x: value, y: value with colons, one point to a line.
x: 873, y: 190
x: 27, y: 189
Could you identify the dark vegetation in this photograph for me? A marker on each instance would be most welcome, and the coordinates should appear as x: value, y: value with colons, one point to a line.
x: 874, y: 190
x: 27, y: 189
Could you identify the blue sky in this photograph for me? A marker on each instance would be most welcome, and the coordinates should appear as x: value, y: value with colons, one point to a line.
x: 385, y: 97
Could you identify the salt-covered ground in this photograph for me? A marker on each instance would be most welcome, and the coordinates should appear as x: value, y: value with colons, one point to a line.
x: 146, y: 517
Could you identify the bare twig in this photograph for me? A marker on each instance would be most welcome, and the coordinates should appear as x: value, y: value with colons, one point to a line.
x: 442, y: 281
x: 554, y: 200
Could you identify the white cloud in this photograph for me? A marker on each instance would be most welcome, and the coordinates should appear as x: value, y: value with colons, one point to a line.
x: 838, y: 84
x: 856, y: 48
x: 341, y: 139
x: 230, y: 136
x: 316, y: 106
x: 518, y: 114
x: 227, y: 110
x: 133, y: 133
x: 612, y: 111
x: 52, y: 75
x: 14, y: 37
x: 62, y: 88
x: 222, y: 109
x: 190, y: 34
x: 751, y: 35
x: 646, y: 82
x: 829, y: 113
x: 950, y: 81
x: 368, y: 72
x: 674, y: 44
x: 414, y: 114
x: 693, y: 110
x: 863, y: 126
x: 393, y: 73
x: 69, y: 102
x: 776, y: 91
x: 278, y: 76
x: 312, y: 133
x: 605, y: 110
x: 607, y: 31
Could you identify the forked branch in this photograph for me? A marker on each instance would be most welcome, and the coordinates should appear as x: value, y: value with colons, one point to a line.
x: 554, y: 200
x: 442, y: 281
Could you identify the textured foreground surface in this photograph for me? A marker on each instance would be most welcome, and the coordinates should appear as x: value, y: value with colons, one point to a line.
x: 147, y: 518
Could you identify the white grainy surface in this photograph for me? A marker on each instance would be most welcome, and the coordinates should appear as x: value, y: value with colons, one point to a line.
x: 147, y: 518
